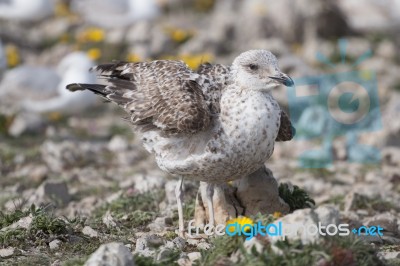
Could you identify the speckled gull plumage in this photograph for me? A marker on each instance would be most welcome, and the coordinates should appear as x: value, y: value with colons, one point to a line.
x: 217, y: 124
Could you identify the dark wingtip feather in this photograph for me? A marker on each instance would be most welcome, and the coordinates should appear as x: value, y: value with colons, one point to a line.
x: 96, y: 88
x: 74, y: 87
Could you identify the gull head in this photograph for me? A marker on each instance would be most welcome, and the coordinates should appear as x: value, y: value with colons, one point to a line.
x: 258, y: 70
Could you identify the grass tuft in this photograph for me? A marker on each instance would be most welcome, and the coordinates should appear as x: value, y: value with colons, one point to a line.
x: 296, y: 197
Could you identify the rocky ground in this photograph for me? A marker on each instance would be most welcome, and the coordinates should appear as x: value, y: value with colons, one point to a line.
x: 80, y: 188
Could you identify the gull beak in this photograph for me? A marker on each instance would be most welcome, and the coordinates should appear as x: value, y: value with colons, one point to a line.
x: 283, y: 79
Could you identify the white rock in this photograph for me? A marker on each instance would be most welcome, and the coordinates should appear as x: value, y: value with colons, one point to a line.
x: 108, y: 220
x: 149, y: 242
x: 89, y: 231
x: 370, y: 15
x: 353, y: 200
x: 258, y: 192
x: 194, y: 256
x: 111, y: 254
x: 24, y: 222
x: 56, y: 263
x: 118, y: 144
x: 327, y: 215
x: 53, y: 191
x: 160, y: 224
x: 391, y: 156
x: 204, y: 245
x: 6, y: 252
x: 184, y: 262
x: 309, y: 219
x: 149, y: 182
x: 385, y: 220
x: 193, y: 241
x: 387, y: 50
x: 179, y: 242
x: 69, y: 154
x: 163, y: 253
x: 31, y: 11
x: 55, y: 244
x: 26, y: 122
x: 389, y: 255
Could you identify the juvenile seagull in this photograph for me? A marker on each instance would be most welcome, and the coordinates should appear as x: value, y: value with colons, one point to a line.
x: 214, y: 125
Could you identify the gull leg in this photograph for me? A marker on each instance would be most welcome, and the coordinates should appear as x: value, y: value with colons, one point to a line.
x: 210, y: 194
x: 179, y: 198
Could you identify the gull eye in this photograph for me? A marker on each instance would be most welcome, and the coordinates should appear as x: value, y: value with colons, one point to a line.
x: 253, y: 67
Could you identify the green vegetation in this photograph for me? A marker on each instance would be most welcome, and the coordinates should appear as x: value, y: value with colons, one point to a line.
x: 43, y: 226
x: 374, y: 204
x: 170, y: 260
x: 223, y: 247
x: 337, y: 200
x: 170, y: 235
x: 296, y: 197
x: 332, y: 251
x: 188, y: 210
x: 135, y: 210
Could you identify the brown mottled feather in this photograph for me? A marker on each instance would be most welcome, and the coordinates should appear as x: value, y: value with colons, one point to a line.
x: 168, y: 95
x: 286, y: 130
x: 160, y: 94
x: 216, y: 79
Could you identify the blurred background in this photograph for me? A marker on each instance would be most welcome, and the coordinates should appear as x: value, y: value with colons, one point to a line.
x: 73, y: 150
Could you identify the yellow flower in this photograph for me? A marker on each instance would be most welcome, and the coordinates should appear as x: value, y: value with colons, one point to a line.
x: 277, y: 215
x: 241, y: 220
x: 62, y: 9
x: 91, y: 35
x: 54, y: 116
x: 194, y: 61
x: 94, y: 53
x: 132, y: 57
x: 366, y: 74
x: 179, y: 35
x: 204, y: 5
x: 12, y: 55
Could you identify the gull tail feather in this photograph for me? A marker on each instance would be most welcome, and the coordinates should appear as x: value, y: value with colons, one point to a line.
x: 96, y: 88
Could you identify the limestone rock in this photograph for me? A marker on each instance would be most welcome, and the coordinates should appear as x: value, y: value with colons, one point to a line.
x: 6, y: 252
x: 53, y: 191
x: 225, y: 204
x: 89, y: 231
x: 149, y: 242
x: 259, y: 193
x: 108, y: 220
x: 111, y: 254
x: 24, y: 222
x: 55, y: 244
x: 193, y: 256
x: 160, y: 224
x: 389, y: 255
x: 256, y: 193
x: 385, y: 220
x: 310, y: 219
